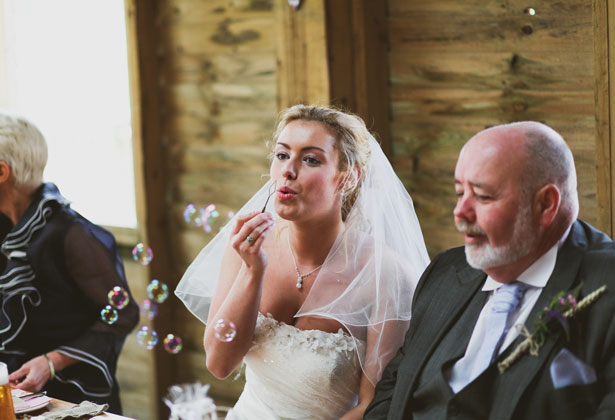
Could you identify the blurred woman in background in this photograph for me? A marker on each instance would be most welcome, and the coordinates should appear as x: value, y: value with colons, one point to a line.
x: 56, y: 271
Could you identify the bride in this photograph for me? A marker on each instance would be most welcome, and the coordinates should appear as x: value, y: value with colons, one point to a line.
x: 318, y: 280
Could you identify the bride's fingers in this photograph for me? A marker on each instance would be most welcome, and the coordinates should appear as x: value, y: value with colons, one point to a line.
x: 256, y: 233
x: 250, y: 231
x: 242, y: 219
x: 258, y: 243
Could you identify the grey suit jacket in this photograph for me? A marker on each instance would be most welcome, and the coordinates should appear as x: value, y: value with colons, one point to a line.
x: 525, y: 390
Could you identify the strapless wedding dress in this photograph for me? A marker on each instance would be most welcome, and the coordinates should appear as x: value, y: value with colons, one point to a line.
x: 298, y: 374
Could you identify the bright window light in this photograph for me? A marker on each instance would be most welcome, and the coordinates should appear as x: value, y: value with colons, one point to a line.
x: 63, y: 65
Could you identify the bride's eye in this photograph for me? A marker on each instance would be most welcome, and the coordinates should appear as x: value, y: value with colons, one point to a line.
x: 281, y: 155
x: 312, y: 161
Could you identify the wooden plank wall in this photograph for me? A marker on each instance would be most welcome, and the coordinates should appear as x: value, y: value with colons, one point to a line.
x: 458, y: 67
x: 218, y: 71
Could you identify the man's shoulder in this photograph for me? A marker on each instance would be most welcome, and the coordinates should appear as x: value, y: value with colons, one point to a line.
x: 453, y: 256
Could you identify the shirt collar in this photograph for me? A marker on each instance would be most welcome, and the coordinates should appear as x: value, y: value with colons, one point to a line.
x: 537, y: 274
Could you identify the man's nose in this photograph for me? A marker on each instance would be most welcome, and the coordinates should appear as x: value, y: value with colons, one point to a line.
x: 464, y: 209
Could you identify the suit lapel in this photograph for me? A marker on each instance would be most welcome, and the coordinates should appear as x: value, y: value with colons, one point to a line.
x: 524, y: 370
x: 445, y: 306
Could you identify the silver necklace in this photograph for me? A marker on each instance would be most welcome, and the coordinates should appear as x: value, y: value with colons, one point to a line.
x: 300, y: 276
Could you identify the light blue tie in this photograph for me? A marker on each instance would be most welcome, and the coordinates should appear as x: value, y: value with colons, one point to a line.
x: 506, y: 300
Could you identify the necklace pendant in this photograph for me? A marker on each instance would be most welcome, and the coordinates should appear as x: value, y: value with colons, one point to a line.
x: 299, y: 282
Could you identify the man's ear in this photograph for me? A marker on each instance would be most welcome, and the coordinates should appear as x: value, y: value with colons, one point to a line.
x: 547, y: 202
x: 5, y: 172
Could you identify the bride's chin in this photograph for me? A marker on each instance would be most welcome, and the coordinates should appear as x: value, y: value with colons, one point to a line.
x: 286, y: 213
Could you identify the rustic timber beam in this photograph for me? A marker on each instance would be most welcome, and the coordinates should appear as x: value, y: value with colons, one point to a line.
x: 151, y: 186
x: 303, y: 73
x: 358, y: 62
x: 603, y: 12
x: 336, y: 52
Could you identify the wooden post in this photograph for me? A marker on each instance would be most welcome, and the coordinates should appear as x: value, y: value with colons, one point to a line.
x: 335, y: 52
x: 303, y: 73
x: 604, y: 52
x: 359, y: 62
x: 151, y: 187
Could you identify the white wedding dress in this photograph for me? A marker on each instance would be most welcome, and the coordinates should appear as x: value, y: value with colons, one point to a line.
x: 298, y: 374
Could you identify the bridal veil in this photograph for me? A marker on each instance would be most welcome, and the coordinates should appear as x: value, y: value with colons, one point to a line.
x: 368, y: 278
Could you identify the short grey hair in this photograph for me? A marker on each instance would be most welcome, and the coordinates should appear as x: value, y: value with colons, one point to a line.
x: 23, y: 148
x: 549, y: 161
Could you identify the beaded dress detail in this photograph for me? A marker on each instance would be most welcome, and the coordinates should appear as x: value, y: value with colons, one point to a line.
x: 298, y: 374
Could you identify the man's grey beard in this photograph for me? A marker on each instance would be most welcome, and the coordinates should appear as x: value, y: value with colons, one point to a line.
x: 484, y: 256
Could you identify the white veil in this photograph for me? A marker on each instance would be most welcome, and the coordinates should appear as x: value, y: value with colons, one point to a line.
x: 368, y: 278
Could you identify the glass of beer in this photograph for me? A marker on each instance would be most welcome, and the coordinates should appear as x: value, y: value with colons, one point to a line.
x: 6, y: 400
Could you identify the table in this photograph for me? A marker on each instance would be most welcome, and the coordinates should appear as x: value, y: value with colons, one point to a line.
x: 56, y: 405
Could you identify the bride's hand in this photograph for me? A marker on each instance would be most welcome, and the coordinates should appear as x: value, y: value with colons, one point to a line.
x: 354, y: 414
x: 248, y: 236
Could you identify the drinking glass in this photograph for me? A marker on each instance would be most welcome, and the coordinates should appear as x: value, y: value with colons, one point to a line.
x: 7, y: 411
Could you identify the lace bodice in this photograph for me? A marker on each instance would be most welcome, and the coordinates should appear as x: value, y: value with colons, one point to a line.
x: 298, y: 374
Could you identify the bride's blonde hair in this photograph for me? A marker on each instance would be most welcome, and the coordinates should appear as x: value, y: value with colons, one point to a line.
x: 352, y: 141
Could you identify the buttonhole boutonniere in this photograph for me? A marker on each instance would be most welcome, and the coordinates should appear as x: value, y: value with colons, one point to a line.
x: 562, y: 308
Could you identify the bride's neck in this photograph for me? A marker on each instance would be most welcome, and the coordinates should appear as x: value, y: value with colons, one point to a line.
x: 311, y: 242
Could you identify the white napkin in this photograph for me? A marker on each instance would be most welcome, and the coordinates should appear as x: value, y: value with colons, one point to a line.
x: 85, y: 408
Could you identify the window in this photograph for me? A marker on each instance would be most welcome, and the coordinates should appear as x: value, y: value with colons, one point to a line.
x: 63, y: 66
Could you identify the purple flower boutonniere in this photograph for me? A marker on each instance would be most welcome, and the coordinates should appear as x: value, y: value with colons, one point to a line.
x: 561, y: 310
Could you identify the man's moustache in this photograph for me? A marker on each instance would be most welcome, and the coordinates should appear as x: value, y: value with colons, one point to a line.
x: 465, y: 227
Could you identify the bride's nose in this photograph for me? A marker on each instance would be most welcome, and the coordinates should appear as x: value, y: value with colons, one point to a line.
x: 290, y: 171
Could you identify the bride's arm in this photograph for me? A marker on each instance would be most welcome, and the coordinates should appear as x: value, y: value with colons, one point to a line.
x: 379, y: 336
x: 238, y: 293
x: 366, y: 394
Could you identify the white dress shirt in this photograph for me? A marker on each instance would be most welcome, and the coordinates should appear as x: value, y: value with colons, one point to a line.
x: 536, y: 276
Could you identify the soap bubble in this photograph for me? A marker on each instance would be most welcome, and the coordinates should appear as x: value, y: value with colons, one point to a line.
x: 211, y: 219
x: 147, y: 337
x: 148, y: 309
x: 193, y: 216
x: 172, y: 343
x: 118, y: 297
x: 142, y: 254
x: 157, y: 291
x: 225, y: 330
x: 109, y: 314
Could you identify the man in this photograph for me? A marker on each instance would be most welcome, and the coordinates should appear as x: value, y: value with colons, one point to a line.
x: 516, y: 207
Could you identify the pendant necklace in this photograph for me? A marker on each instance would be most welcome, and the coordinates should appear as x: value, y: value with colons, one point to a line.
x: 300, y: 276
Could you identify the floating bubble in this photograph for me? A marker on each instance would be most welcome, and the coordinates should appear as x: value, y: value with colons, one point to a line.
x: 211, y: 219
x: 230, y: 215
x: 157, y: 291
x: 530, y: 11
x: 118, y: 297
x: 172, y: 343
x: 109, y: 314
x: 142, y: 254
x: 193, y: 216
x: 225, y: 330
x: 147, y: 337
x: 148, y: 309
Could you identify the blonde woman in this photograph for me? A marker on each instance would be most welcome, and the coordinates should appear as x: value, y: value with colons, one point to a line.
x: 319, y: 283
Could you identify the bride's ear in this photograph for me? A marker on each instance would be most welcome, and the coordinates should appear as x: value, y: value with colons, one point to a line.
x: 351, y: 179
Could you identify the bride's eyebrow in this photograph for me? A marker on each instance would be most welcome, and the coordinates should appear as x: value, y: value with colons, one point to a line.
x: 303, y: 148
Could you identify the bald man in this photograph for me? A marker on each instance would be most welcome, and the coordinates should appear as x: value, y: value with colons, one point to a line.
x: 517, y: 208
